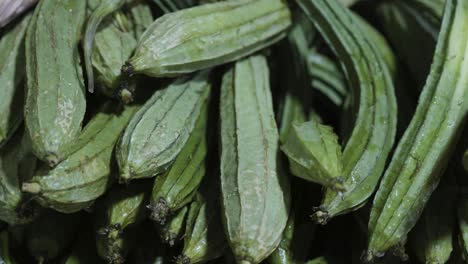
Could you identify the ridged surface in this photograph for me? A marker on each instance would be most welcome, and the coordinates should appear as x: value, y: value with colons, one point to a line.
x: 55, y: 101
x: 204, y: 237
x: 160, y: 129
x: 112, y: 47
x: 372, y: 98
x: 16, y: 164
x: 86, y: 174
x: 175, y: 188
x: 172, y: 231
x: 255, y: 194
x: 12, y: 73
x: 209, y: 35
x: 424, y: 149
x: 124, y: 206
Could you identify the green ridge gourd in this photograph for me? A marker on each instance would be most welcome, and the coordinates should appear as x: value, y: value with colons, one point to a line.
x: 423, y: 151
x: 86, y: 174
x: 177, y: 186
x: 55, y: 101
x: 208, y: 35
x: 255, y: 192
x: 372, y: 94
x: 12, y: 75
x: 160, y: 129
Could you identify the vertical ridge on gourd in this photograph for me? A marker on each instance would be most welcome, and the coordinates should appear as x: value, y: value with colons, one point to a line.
x: 431, y: 238
x: 86, y: 174
x: 425, y: 147
x: 168, y: 6
x: 17, y: 164
x: 255, y: 192
x: 113, y: 45
x: 142, y: 17
x: 373, y: 95
x: 171, y: 231
x: 208, y: 35
x: 104, y: 8
x: 55, y: 100
x: 12, y: 75
x: 177, y: 186
x: 121, y: 209
x: 160, y: 129
x: 204, y: 238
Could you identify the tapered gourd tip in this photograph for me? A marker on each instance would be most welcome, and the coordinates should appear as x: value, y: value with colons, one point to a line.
x: 126, y: 96
x: 182, y: 259
x: 127, y: 69
x: 320, y: 216
x: 159, y: 211
x: 52, y: 159
x: 31, y: 187
x: 168, y: 238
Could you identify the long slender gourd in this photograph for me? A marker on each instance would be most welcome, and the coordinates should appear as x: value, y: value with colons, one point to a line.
x: 55, y: 100
x: 208, y: 35
x: 255, y: 193
x: 373, y: 95
x: 176, y: 187
x: 85, y: 175
x: 161, y: 128
x: 12, y: 75
x: 423, y: 151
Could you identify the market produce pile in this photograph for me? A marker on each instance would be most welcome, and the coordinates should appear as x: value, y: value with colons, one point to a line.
x: 238, y: 131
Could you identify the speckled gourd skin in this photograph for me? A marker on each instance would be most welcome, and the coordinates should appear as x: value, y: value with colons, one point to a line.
x: 160, y: 129
x: 12, y: 73
x: 55, y: 101
x: 255, y: 193
x: 208, y: 35
x: 425, y: 147
x: 372, y: 98
x: 85, y: 175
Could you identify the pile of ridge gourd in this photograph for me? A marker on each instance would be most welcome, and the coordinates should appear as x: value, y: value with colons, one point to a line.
x: 239, y: 131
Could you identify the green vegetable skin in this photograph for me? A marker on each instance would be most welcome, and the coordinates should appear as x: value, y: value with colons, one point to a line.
x: 11, y: 78
x: 124, y: 207
x: 204, y: 238
x: 423, y: 151
x: 168, y: 6
x: 141, y: 16
x: 314, y: 154
x: 173, y: 229
x: 16, y: 164
x: 160, y: 129
x: 104, y: 8
x: 208, y: 35
x: 176, y: 188
x: 85, y: 175
x: 431, y: 238
x: 55, y: 101
x: 255, y: 193
x: 373, y: 134
x: 112, y: 47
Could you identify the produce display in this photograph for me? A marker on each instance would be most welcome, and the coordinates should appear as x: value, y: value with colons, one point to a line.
x: 233, y: 131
